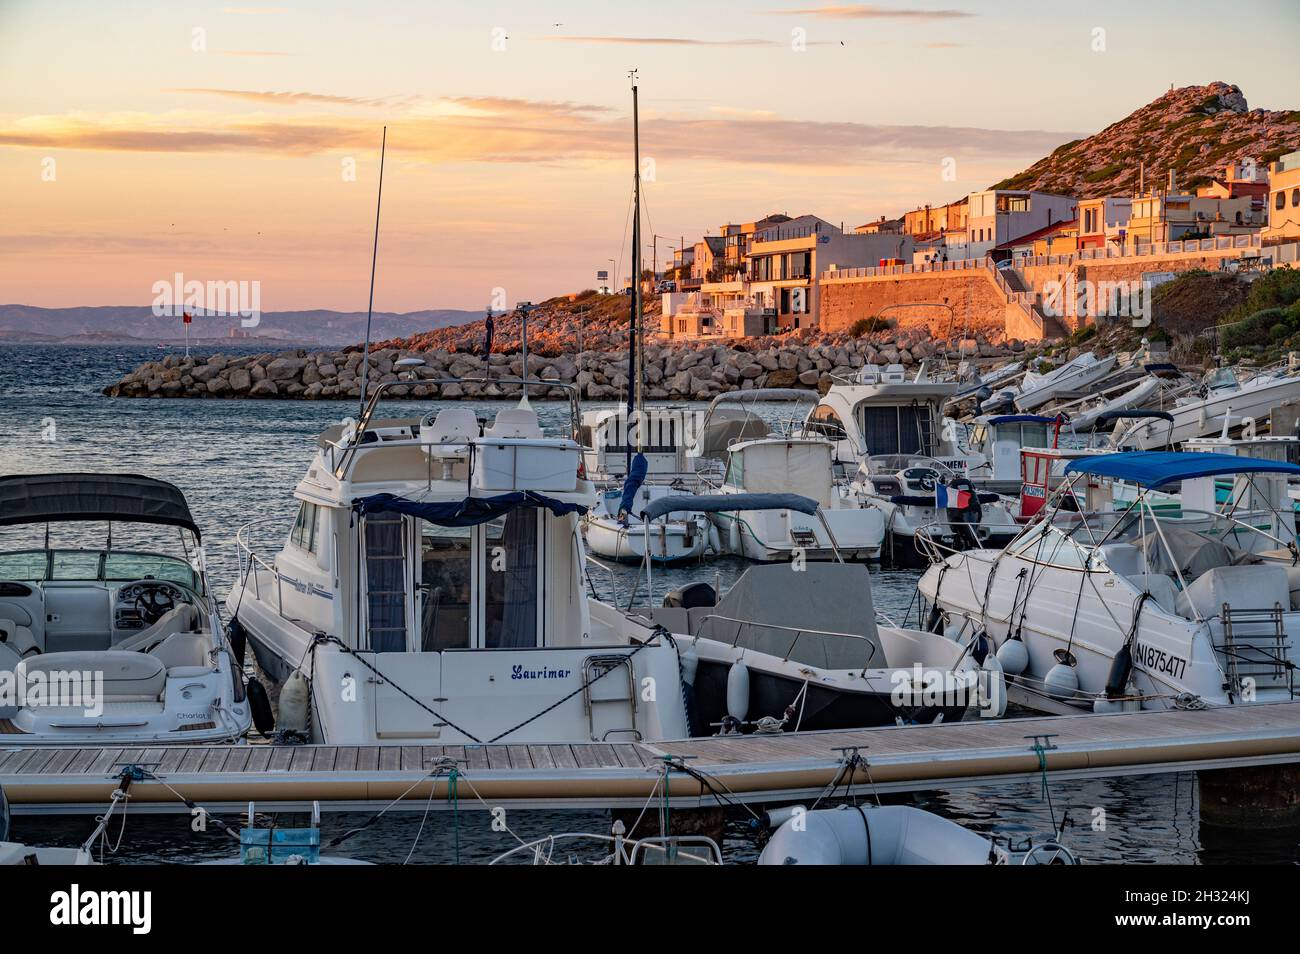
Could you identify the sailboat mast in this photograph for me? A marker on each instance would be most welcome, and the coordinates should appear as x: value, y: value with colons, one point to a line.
x: 634, y: 322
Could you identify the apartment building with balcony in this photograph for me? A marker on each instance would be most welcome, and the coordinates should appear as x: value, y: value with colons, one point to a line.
x: 996, y: 217
x: 1103, y: 221
x: 785, y: 261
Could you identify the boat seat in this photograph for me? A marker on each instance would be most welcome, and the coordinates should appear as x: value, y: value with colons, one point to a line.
x: 178, y: 620
x: 1257, y: 587
x: 453, y: 425
x: 128, y: 676
x: 187, y: 651
x: 515, y: 422
x: 17, y: 636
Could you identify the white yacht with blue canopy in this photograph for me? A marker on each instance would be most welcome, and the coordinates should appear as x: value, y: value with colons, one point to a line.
x: 1169, y: 594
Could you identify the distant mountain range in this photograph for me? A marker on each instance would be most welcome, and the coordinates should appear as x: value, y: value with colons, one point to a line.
x: 126, y: 324
x: 1195, y: 130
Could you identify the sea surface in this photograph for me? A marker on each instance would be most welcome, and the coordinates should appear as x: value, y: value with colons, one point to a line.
x: 238, y: 461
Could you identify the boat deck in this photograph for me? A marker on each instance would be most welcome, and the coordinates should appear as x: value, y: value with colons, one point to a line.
x: 751, y: 768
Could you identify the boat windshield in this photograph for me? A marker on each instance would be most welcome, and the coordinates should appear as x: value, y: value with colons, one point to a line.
x: 100, y: 565
x: 893, y: 463
x: 1220, y: 379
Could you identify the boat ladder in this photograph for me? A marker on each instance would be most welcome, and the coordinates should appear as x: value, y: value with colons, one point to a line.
x: 605, y: 689
x: 1255, y: 646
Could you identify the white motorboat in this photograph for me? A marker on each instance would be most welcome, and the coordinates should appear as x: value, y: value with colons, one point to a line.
x: 431, y: 588
x: 1073, y: 377
x: 614, y: 530
x: 995, y: 443
x: 890, y: 435
x: 791, y: 651
x: 1087, y: 415
x: 1225, y: 397
x: 109, y: 632
x: 16, y: 853
x: 795, y: 465
x: 1164, y: 603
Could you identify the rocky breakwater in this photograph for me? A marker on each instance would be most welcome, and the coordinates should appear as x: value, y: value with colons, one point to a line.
x: 681, y: 371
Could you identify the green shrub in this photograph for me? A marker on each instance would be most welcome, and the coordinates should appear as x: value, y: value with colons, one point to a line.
x: 866, y: 326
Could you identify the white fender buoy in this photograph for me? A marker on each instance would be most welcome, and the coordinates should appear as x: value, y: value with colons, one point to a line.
x: 690, y: 663
x: 1062, y: 681
x: 1101, y: 704
x: 734, y: 543
x: 993, y: 689
x: 295, y: 697
x: 738, y: 691
x: 1013, y: 656
x: 899, y: 835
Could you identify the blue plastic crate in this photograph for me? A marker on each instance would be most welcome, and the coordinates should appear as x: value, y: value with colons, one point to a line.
x: 275, y: 846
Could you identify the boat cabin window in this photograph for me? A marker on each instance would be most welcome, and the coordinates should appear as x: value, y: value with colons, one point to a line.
x: 511, y: 581
x: 735, y: 470
x: 824, y: 422
x: 304, y: 528
x: 445, y: 586
x: 897, y: 430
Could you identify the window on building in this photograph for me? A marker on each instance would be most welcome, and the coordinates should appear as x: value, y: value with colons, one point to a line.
x: 1295, y: 198
x: 1279, y: 201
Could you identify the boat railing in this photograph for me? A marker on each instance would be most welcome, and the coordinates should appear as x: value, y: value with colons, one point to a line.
x: 250, y: 564
x: 935, y: 550
x: 798, y: 631
x: 669, y: 850
x: 367, y: 417
x: 609, y: 572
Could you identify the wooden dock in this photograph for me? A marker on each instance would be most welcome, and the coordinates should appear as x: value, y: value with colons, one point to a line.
x: 751, y: 768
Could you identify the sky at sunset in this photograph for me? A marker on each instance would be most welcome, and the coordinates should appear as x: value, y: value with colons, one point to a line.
x: 138, y: 140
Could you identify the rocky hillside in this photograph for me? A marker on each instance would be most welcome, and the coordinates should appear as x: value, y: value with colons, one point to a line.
x: 1195, y: 131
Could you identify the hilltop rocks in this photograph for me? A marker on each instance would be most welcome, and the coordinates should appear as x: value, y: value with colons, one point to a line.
x: 688, y: 370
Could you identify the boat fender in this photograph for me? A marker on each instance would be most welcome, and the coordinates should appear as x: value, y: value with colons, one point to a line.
x: 295, y: 697
x: 738, y: 691
x: 980, y: 647
x: 934, y: 622
x: 1062, y: 681
x: 1013, y: 656
x: 1121, y: 668
x: 238, y: 637
x: 992, y: 689
x: 260, y: 706
x: 734, y: 543
x: 690, y: 664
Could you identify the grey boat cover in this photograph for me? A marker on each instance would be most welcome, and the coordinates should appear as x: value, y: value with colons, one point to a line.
x: 728, y: 503
x: 830, y: 597
x: 129, y: 498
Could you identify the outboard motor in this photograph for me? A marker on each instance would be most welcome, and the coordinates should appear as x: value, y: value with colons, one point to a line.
x: 691, y: 596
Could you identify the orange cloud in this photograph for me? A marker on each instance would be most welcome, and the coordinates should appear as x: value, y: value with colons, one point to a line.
x: 866, y: 11
x: 495, y: 129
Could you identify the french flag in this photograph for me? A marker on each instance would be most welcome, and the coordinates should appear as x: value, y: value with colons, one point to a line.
x: 947, y: 497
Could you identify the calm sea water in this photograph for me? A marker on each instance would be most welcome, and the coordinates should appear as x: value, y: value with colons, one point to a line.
x: 238, y: 461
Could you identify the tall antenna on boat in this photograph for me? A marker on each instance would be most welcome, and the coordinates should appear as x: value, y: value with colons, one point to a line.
x: 374, y: 255
x: 634, y: 322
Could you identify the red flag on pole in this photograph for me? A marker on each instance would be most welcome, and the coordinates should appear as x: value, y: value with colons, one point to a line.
x: 186, y: 317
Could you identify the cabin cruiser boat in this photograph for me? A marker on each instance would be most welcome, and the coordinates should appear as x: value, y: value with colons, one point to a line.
x: 802, y: 465
x: 1152, y: 605
x: 103, y: 641
x: 994, y: 445
x: 431, y: 589
x: 1073, y: 377
x: 1226, y: 397
x: 972, y: 384
x: 890, y: 435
